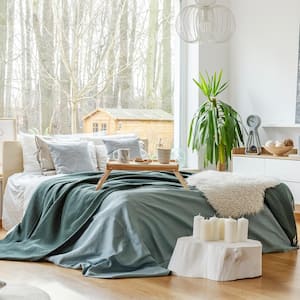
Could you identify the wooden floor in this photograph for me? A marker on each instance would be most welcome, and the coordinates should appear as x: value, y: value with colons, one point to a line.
x: 280, y: 280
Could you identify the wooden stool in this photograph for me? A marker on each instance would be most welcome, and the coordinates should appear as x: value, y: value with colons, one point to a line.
x: 216, y: 260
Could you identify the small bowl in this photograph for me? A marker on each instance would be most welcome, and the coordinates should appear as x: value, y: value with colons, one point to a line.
x: 278, y: 151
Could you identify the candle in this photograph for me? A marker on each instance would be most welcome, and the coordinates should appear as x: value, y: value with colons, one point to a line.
x: 214, y: 229
x: 205, y: 230
x: 221, y: 228
x: 230, y: 230
x: 197, y: 226
x: 242, y: 229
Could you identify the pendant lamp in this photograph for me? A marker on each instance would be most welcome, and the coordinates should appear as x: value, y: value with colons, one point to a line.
x: 205, y: 22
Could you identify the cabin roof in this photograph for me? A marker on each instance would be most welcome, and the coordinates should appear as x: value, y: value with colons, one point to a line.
x: 134, y: 114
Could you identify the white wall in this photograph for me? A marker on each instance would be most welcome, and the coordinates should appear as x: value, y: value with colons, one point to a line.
x: 211, y: 58
x: 188, y: 100
x: 199, y: 58
x: 263, y: 62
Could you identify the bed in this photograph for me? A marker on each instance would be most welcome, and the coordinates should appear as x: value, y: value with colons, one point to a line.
x: 129, y: 228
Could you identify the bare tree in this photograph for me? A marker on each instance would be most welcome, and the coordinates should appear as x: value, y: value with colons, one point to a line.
x: 64, y: 58
x: 151, y: 53
x: 64, y: 123
x: 3, y: 29
x: 166, y: 81
x: 122, y: 79
x: 110, y: 96
x: 43, y: 30
x: 10, y: 58
x: 131, y: 53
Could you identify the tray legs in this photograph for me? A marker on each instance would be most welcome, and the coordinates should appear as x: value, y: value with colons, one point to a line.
x: 181, y: 180
x: 102, y: 179
x: 107, y: 172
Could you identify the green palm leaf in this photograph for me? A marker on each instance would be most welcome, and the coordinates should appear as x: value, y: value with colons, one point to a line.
x: 216, y: 127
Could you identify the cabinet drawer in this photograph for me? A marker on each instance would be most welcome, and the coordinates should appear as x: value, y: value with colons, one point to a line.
x: 248, y: 165
x: 286, y: 170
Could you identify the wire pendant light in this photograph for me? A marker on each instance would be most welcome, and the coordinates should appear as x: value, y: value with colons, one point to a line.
x: 205, y: 22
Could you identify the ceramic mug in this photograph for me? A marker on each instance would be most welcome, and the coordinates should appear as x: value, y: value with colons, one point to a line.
x: 122, y: 155
x: 163, y: 155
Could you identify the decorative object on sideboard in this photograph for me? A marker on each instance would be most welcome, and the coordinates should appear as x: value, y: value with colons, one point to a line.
x: 279, y: 148
x: 8, y: 131
x: 253, y: 144
x: 205, y: 22
x: 216, y: 127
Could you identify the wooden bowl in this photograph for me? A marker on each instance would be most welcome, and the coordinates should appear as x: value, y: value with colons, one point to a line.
x: 278, y: 151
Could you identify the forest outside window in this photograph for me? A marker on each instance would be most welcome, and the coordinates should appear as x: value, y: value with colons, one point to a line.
x: 60, y: 60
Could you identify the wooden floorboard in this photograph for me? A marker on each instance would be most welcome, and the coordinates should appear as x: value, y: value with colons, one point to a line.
x: 280, y: 280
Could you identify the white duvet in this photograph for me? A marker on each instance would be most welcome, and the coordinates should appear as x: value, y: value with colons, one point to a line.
x: 17, y: 195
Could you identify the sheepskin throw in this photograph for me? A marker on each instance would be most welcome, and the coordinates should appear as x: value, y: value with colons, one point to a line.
x: 230, y: 194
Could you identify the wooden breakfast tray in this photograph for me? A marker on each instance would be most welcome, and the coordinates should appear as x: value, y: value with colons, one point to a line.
x: 141, y: 166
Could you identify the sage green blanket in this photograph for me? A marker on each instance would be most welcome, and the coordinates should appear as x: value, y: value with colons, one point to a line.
x: 128, y: 228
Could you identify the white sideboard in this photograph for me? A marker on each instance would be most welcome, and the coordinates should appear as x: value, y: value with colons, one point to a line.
x: 287, y: 169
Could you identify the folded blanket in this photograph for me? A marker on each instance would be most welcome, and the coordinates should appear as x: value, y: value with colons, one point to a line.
x: 230, y: 194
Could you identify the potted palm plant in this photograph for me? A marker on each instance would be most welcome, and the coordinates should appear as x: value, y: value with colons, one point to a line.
x: 216, y: 127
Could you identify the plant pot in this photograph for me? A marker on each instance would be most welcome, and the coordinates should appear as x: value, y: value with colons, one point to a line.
x: 221, y: 167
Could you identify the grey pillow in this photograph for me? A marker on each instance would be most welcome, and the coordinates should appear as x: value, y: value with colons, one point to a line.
x: 113, y: 144
x: 43, y: 153
x: 71, y: 157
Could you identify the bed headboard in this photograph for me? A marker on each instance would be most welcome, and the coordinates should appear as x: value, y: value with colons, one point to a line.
x: 12, y: 160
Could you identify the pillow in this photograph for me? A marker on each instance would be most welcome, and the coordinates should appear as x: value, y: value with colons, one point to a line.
x: 30, y: 162
x: 113, y: 144
x: 45, y: 158
x: 71, y: 157
x: 93, y: 155
x: 101, y: 154
x: 43, y: 153
x: 98, y: 139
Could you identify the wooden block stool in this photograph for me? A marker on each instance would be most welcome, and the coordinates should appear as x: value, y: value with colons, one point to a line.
x: 216, y: 260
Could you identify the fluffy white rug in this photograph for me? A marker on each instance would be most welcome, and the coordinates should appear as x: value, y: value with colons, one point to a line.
x: 230, y: 194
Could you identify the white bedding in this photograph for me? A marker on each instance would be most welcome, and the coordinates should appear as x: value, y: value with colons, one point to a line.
x: 18, y: 192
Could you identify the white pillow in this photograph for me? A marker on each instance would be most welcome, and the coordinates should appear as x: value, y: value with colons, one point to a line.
x: 93, y: 156
x: 30, y: 162
x: 97, y: 150
x: 102, y: 157
x: 71, y: 157
x: 98, y: 139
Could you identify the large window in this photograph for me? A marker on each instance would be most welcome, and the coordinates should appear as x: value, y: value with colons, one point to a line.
x: 62, y: 59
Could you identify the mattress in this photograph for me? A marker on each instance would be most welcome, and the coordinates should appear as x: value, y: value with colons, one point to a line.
x: 18, y: 192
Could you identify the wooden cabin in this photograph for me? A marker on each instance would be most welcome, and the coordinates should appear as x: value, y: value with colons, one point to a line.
x: 152, y: 125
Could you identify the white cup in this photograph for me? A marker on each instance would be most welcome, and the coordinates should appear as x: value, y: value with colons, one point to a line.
x: 122, y: 155
x: 163, y: 155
